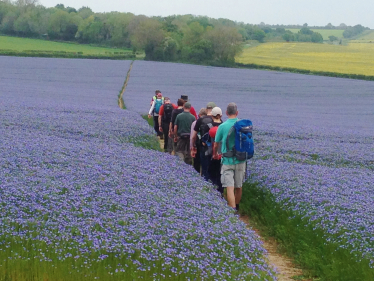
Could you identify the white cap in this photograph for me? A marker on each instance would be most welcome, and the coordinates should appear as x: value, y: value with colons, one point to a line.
x: 216, y: 111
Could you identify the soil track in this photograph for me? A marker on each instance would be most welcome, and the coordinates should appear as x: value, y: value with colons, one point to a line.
x: 285, y: 267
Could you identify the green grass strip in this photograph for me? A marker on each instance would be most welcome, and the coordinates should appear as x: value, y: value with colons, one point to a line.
x: 301, y: 240
x: 63, y: 54
x: 306, y: 71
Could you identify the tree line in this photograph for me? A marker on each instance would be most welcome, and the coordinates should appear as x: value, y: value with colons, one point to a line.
x: 192, y: 38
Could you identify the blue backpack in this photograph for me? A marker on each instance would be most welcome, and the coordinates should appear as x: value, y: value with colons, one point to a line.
x: 244, y: 146
x: 158, y: 104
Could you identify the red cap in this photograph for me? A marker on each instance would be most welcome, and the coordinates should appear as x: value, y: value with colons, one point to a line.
x: 213, y: 132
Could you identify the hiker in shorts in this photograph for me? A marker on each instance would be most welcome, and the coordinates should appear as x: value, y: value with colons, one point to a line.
x: 174, y: 115
x: 195, y: 146
x: 182, y: 128
x: 202, y: 128
x: 154, y: 110
x: 164, y: 119
x: 215, y: 164
x: 233, y: 171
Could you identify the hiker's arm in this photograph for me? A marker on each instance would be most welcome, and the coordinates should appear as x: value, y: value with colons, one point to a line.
x: 170, y: 129
x: 151, y: 109
x: 215, y: 150
x: 159, y: 123
x: 175, y: 132
x: 194, y: 137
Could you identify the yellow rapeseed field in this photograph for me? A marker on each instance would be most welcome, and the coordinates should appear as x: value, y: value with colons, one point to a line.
x: 356, y: 58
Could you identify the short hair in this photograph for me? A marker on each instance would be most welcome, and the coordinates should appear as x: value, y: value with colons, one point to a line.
x: 157, y: 91
x: 232, y: 108
x: 202, y: 112
x: 187, y: 105
x: 166, y: 98
x: 180, y: 102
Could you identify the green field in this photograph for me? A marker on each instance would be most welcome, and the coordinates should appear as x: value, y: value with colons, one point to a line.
x: 26, y: 44
x: 365, y: 37
x: 324, y: 32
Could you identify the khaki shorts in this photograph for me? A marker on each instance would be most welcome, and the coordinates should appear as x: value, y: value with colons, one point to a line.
x: 233, y: 175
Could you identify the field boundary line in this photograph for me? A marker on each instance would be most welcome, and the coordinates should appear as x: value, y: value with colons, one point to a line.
x: 121, y: 102
x: 305, y: 71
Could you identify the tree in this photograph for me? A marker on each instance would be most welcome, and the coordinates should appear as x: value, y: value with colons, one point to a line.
x: 329, y: 26
x: 148, y: 35
x: 226, y: 43
x: 333, y: 38
x: 288, y: 36
x: 259, y: 35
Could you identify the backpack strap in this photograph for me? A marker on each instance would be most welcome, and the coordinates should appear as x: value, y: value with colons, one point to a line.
x: 229, y: 153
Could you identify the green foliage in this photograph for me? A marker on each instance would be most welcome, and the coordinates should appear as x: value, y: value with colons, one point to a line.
x: 353, y: 31
x: 301, y: 239
x: 333, y: 38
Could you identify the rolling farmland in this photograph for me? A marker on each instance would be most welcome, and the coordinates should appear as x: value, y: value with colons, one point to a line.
x: 80, y: 199
x: 315, y: 149
x: 27, y: 44
x: 355, y: 58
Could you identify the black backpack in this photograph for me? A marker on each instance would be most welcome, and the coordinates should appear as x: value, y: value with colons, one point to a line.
x: 168, y: 110
x: 206, y: 124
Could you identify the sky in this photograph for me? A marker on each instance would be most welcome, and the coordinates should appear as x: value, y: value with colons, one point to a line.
x: 312, y: 12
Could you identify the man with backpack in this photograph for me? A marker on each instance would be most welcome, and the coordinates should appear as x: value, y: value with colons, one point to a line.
x: 154, y: 110
x: 164, y: 119
x: 182, y: 127
x: 236, y: 141
x: 202, y: 128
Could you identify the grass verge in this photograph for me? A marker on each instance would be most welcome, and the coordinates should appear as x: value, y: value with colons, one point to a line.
x: 302, y: 241
x: 305, y: 71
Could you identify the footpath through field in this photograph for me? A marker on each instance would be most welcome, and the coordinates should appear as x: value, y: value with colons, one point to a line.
x: 285, y: 266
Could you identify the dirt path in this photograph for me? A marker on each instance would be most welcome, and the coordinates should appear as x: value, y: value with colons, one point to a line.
x: 285, y: 267
x: 287, y: 271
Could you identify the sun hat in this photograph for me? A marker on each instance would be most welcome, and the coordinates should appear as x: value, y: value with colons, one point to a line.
x: 216, y: 111
x: 210, y: 105
x: 185, y: 98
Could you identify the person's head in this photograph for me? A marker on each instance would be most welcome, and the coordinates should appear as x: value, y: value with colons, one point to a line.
x: 216, y: 113
x: 159, y: 95
x: 180, y: 102
x: 202, y: 112
x: 232, y: 110
x: 187, y: 106
x: 167, y: 100
x: 157, y: 92
x: 209, y: 107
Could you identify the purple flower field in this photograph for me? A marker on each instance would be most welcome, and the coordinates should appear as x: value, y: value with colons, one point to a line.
x: 314, y: 138
x: 79, y: 200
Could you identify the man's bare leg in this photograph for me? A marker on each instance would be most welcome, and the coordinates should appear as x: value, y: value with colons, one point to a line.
x: 238, y: 195
x: 231, y: 196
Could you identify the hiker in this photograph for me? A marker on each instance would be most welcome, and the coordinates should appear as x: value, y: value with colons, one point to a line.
x: 202, y: 127
x: 182, y: 129
x: 195, y: 146
x: 192, y: 111
x: 155, y: 96
x: 233, y: 170
x: 164, y: 119
x: 174, y: 115
x: 215, y: 164
x: 154, y: 110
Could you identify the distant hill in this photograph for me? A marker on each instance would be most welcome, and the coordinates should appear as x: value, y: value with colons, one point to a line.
x: 324, y: 32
